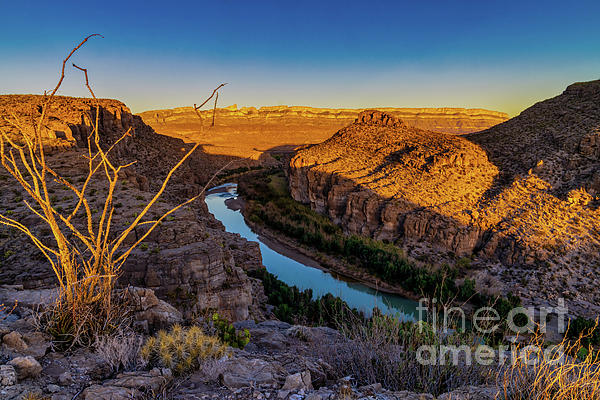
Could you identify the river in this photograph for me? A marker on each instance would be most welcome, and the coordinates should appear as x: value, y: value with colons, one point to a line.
x: 295, y: 273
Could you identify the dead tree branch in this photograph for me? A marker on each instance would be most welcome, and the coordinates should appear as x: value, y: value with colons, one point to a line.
x: 196, y: 108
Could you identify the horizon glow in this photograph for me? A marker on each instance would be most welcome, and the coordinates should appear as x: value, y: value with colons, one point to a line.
x: 501, y: 56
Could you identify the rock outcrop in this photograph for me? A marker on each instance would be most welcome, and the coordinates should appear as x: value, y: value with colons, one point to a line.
x: 189, y: 261
x: 250, y: 132
x: 520, y: 198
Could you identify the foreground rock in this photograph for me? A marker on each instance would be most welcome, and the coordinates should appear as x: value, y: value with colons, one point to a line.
x: 26, y: 367
x: 130, y: 385
x: 520, y: 199
x: 282, y: 361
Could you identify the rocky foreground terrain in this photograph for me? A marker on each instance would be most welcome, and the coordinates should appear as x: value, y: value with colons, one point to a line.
x: 250, y: 132
x: 282, y: 361
x: 520, y: 199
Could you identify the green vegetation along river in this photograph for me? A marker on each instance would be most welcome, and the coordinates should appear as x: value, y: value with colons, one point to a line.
x: 295, y: 273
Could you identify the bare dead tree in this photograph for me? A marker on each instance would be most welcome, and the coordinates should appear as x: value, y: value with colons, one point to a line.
x: 197, y: 107
x: 85, y: 259
x: 215, y: 109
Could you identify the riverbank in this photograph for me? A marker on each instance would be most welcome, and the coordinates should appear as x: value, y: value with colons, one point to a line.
x: 316, y: 259
x: 294, y: 266
x: 381, y: 264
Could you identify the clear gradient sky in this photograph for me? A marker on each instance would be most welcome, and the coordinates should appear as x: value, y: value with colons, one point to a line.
x: 501, y: 55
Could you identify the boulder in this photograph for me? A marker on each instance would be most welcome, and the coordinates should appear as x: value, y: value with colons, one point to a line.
x: 14, y: 341
x: 38, y: 344
x: 99, y: 392
x: 65, y: 379
x: 52, y: 388
x: 26, y: 367
x: 149, y: 382
x: 150, y: 312
x: 130, y: 385
x: 242, y: 372
x: 92, y: 365
x: 298, y: 381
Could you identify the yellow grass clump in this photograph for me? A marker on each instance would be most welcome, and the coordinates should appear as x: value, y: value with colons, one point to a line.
x: 567, y: 371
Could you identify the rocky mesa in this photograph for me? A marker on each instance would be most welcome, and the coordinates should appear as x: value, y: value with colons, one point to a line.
x: 250, y: 132
x: 520, y: 198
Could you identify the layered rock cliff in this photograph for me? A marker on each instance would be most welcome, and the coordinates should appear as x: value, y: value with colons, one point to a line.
x: 189, y: 260
x: 249, y: 131
x: 519, y: 198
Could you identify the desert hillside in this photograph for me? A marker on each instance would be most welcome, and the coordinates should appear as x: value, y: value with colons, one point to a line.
x: 249, y: 131
x: 520, y: 198
x: 203, y: 270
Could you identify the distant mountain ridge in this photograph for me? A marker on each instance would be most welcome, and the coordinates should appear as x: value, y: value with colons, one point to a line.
x: 256, y: 133
x: 443, y: 119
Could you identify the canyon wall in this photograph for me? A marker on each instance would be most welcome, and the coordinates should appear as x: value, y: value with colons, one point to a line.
x: 189, y: 260
x: 520, y: 199
x: 250, y: 132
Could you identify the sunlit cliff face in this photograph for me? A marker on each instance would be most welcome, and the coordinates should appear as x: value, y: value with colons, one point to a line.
x: 249, y: 131
x: 522, y: 194
x: 397, y: 162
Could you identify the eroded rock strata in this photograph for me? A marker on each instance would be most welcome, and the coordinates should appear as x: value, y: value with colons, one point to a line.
x: 250, y: 132
x: 190, y: 260
x: 520, y: 198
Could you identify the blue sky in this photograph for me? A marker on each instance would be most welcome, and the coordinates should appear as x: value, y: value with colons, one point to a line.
x: 489, y: 54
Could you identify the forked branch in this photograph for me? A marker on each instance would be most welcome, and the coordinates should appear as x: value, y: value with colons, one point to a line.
x: 213, y: 94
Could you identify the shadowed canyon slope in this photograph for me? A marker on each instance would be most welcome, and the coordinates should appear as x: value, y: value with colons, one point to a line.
x: 520, y: 198
x: 204, y: 262
x: 249, y: 131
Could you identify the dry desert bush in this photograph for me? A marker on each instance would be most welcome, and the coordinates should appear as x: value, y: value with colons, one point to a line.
x: 86, y: 253
x: 383, y: 350
x: 567, y: 371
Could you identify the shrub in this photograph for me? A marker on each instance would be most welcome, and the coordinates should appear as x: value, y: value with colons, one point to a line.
x: 463, y: 263
x: 298, y: 307
x: 584, y: 329
x: 182, y: 349
x: 228, y: 334
x: 121, y: 350
x: 81, y: 323
x: 383, y: 350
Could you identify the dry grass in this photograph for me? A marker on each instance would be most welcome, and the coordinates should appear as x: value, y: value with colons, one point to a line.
x: 120, y: 350
x: 34, y: 396
x: 383, y: 350
x: 567, y: 371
